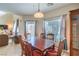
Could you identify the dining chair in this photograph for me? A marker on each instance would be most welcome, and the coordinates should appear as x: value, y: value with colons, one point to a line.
x: 21, y: 41
x: 42, y: 36
x: 51, y: 52
x: 28, y: 49
x: 32, y: 51
x: 50, y: 36
x: 37, y: 52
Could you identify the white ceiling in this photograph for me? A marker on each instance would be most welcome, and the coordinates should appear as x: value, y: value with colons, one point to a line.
x: 28, y: 8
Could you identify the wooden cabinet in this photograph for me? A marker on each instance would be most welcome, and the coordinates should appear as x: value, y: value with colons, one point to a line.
x: 74, y: 35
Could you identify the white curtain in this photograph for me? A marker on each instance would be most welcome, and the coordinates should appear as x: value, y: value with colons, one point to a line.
x: 16, y: 27
x: 62, y: 30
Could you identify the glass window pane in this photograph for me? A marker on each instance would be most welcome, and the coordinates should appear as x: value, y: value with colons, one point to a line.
x: 53, y: 26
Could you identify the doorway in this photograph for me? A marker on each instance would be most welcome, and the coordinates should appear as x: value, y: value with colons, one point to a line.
x: 30, y: 30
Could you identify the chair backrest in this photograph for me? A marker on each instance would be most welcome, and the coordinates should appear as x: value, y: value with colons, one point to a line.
x: 50, y: 36
x: 20, y: 40
x: 60, y: 48
x: 42, y: 36
x: 28, y: 49
x: 37, y: 52
x: 22, y: 44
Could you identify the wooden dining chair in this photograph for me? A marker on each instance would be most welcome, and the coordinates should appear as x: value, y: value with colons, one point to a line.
x: 37, y: 52
x: 32, y: 51
x: 28, y: 49
x: 51, y: 52
x: 21, y: 41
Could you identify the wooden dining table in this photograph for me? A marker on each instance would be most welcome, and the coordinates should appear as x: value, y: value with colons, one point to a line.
x: 41, y: 44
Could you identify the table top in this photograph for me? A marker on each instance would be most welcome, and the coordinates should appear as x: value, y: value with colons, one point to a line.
x: 41, y: 44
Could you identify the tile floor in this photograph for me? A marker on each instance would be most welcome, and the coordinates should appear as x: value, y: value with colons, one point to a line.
x: 13, y: 49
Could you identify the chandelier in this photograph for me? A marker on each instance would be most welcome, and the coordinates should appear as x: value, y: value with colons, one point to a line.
x: 39, y: 14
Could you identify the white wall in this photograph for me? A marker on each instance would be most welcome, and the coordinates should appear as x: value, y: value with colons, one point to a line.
x: 39, y: 27
x: 8, y: 19
x: 62, y: 10
x: 4, y: 18
x: 21, y: 26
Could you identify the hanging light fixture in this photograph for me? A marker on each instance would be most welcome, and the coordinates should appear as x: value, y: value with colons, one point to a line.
x: 39, y: 14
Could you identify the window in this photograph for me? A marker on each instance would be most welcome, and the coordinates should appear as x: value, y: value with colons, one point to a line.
x: 55, y: 27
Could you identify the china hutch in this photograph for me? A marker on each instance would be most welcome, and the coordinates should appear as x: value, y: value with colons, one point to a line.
x: 74, y: 32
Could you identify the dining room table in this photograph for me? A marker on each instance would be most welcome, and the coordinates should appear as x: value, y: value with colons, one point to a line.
x: 40, y: 44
